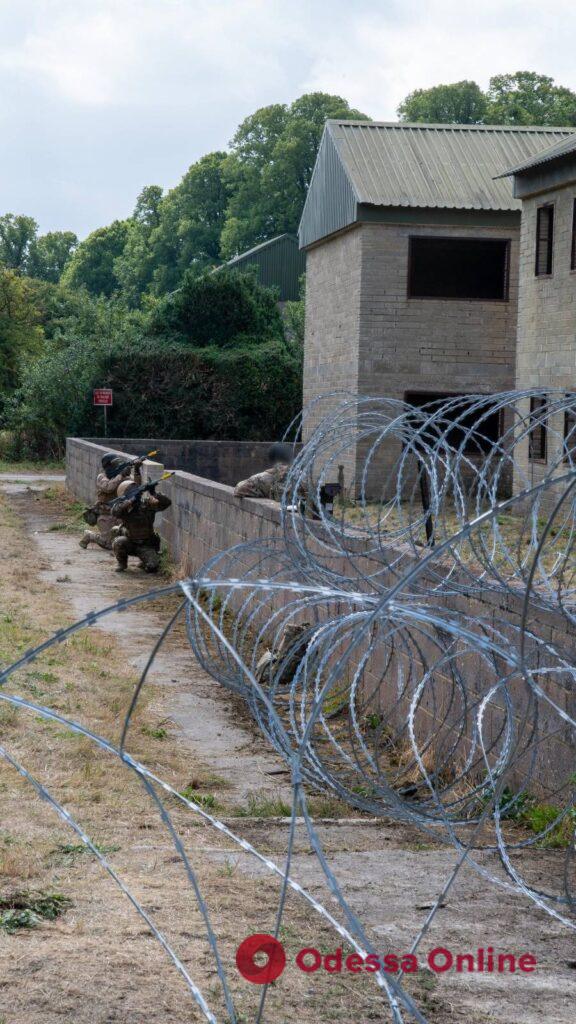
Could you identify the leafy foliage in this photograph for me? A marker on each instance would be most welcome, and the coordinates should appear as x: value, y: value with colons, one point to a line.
x: 521, y: 98
x: 20, y: 330
x: 48, y: 255
x: 528, y: 98
x: 219, y: 309
x: 16, y: 236
x: 458, y: 103
x: 161, y: 388
x: 93, y: 264
x: 270, y: 166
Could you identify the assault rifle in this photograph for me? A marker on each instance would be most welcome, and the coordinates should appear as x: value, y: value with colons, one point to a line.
x: 134, y: 493
x: 115, y: 470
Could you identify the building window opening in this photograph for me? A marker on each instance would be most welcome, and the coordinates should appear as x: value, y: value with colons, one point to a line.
x: 537, y: 437
x: 544, y: 240
x: 458, y: 268
x: 466, y: 424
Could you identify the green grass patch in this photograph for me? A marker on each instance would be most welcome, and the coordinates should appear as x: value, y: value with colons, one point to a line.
x: 31, y: 466
x: 29, y: 909
x: 70, y: 851
x: 207, y: 800
x: 158, y: 733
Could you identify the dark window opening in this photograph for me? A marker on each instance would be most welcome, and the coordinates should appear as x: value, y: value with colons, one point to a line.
x: 537, y: 438
x: 475, y: 426
x: 573, y: 248
x: 458, y: 268
x: 544, y: 239
x: 570, y: 430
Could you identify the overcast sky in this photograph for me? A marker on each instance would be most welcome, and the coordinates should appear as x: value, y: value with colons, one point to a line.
x: 101, y: 97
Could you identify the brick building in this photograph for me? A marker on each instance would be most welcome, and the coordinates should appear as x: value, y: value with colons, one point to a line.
x: 546, y: 345
x: 412, y: 250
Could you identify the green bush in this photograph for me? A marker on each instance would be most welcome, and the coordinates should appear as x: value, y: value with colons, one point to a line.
x: 218, y: 309
x: 161, y: 389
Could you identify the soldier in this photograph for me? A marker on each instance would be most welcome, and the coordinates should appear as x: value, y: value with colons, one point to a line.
x: 114, y: 471
x: 136, y: 535
x: 270, y: 483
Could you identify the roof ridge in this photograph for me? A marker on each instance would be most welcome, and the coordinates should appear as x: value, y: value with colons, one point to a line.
x: 445, y: 126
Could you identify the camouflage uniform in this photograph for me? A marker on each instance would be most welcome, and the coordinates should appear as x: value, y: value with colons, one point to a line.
x: 137, y: 536
x: 269, y: 484
x: 106, y: 491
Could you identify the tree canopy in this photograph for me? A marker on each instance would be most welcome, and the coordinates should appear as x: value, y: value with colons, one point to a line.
x: 20, y: 330
x: 458, y: 103
x: 92, y: 265
x: 520, y: 98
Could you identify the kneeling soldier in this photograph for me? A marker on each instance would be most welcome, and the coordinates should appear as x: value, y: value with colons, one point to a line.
x: 114, y: 471
x: 136, y: 508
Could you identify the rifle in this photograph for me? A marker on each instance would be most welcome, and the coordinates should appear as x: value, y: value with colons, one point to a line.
x: 132, y: 462
x: 134, y: 493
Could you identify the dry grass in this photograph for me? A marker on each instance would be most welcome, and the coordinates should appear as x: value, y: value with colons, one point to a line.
x: 97, y: 963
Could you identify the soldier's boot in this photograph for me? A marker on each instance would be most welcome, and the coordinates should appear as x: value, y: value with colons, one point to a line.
x: 149, y: 559
x: 120, y: 549
x: 88, y: 537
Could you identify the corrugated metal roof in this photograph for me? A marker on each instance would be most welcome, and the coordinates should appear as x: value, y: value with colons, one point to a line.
x: 565, y: 147
x: 435, y: 166
x: 259, y: 248
x: 279, y: 264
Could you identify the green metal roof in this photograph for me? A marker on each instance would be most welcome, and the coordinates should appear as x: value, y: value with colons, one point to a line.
x: 566, y: 147
x: 279, y: 263
x: 432, y: 166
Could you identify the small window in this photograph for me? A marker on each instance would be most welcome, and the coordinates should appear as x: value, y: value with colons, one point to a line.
x: 458, y: 268
x: 570, y: 430
x: 573, y: 248
x: 537, y: 438
x: 544, y: 240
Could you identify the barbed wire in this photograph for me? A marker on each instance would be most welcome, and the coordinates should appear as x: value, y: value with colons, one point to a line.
x: 408, y: 648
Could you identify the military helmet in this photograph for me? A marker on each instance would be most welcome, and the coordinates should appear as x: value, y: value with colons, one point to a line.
x: 123, y: 488
x: 108, y: 459
x: 113, y: 466
x: 280, y: 453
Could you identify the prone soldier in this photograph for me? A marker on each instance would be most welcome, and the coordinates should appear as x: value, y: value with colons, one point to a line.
x: 114, y: 471
x: 270, y: 483
x: 136, y: 508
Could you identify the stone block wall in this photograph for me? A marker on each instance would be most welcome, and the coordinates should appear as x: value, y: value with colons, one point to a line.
x: 365, y: 335
x: 225, y: 461
x: 206, y: 519
x: 546, y: 351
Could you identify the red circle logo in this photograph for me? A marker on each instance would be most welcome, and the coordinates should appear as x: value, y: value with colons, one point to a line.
x: 260, y: 974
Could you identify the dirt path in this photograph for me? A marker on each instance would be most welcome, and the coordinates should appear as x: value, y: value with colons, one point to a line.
x: 390, y: 874
x: 208, y: 727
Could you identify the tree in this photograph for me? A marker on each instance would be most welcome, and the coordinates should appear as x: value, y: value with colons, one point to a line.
x: 458, y: 103
x: 180, y: 231
x: 20, y: 332
x: 147, y: 209
x: 270, y: 166
x: 49, y: 254
x: 220, y: 309
x: 92, y: 265
x: 17, y: 233
x: 528, y: 98
x: 522, y: 98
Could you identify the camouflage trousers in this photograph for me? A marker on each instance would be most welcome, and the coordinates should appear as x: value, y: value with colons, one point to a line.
x: 93, y: 537
x: 147, y: 552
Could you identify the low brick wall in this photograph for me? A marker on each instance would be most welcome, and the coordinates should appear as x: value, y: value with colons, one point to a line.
x: 206, y: 519
x: 224, y: 461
